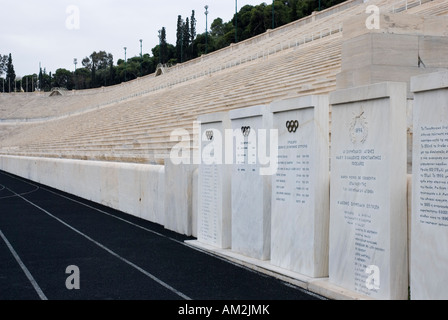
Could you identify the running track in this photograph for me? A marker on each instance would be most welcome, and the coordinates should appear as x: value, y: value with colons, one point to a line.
x: 120, y: 257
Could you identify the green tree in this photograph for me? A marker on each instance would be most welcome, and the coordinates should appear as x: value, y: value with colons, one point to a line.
x: 244, y: 16
x: 63, y: 78
x: 306, y: 7
x: 82, y: 78
x: 257, y: 22
x: 10, y: 75
x: 282, y: 12
x: 192, y: 33
x: 112, y: 72
x: 222, y: 34
x: 330, y: 3
x: 133, y: 67
x: 29, y: 82
x: 192, y: 27
x: 217, y: 28
x: 293, y: 13
x: 163, y: 46
x: 97, y: 61
x: 18, y: 85
x: 186, y: 39
x: 120, y: 71
x: 148, y: 64
x: 199, y: 45
x: 179, y: 39
x: 3, y: 64
x: 104, y: 76
x: 45, y: 80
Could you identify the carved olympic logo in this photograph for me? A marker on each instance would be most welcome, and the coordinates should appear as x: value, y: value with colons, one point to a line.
x: 245, y: 131
x: 209, y: 134
x: 292, y: 125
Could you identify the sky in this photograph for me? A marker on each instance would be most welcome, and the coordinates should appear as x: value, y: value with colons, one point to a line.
x: 51, y: 33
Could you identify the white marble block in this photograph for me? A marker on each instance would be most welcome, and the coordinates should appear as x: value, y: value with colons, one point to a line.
x: 368, y: 209
x: 429, y: 226
x: 178, y: 186
x: 251, y: 191
x: 214, y: 206
x: 300, y: 188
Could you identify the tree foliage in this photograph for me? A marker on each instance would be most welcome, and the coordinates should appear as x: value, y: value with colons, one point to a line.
x: 44, y: 80
x: 3, y: 63
x: 29, y: 82
x: 10, y: 79
x: 63, y: 78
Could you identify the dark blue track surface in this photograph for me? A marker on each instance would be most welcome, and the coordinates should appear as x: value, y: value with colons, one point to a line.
x: 120, y: 257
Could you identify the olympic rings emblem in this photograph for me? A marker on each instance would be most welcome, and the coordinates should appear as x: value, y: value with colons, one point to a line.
x: 292, y: 125
x: 245, y: 131
x: 209, y: 134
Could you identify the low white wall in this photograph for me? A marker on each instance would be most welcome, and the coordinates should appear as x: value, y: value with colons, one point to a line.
x: 136, y: 189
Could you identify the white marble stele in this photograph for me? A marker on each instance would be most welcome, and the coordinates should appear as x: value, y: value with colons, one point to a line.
x: 429, y: 222
x: 368, y: 209
x: 214, y: 204
x: 250, y: 191
x: 300, y: 188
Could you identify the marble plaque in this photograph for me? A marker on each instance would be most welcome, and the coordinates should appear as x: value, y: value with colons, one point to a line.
x: 214, y: 209
x: 368, y: 210
x: 251, y: 191
x: 300, y: 188
x: 429, y: 226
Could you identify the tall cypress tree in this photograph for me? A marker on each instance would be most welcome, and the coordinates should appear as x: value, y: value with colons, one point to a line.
x: 3, y: 62
x: 40, y: 78
x: 186, y: 38
x: 10, y: 75
x: 179, y: 37
x: 163, y: 46
x: 192, y: 27
x: 111, y: 72
x: 192, y: 33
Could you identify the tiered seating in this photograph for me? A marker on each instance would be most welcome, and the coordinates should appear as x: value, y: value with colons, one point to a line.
x: 133, y: 121
x: 404, y: 5
x: 139, y: 130
x: 431, y: 8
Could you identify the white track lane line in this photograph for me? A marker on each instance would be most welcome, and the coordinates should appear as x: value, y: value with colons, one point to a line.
x: 22, y: 194
x: 141, y: 227
x: 146, y: 273
x: 24, y: 268
x: 111, y: 215
x: 96, y: 209
x: 239, y: 265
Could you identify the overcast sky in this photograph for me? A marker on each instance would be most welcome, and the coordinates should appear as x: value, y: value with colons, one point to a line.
x: 54, y: 32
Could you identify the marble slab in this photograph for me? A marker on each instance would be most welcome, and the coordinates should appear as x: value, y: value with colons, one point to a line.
x: 214, y: 200
x: 178, y: 197
x: 429, y: 221
x: 300, y: 188
x: 250, y: 191
x: 368, y: 209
